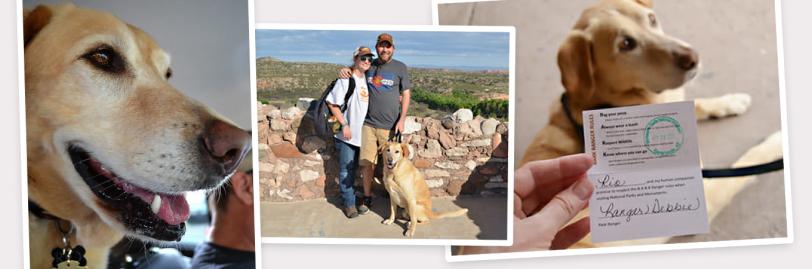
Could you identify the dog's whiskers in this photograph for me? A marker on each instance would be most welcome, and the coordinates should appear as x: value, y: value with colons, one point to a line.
x: 83, y: 160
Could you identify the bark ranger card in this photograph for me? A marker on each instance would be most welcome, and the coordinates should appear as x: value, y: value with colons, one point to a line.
x: 648, y: 182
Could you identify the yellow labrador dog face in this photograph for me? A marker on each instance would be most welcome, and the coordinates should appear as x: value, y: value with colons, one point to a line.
x: 393, y: 152
x: 108, y: 136
x: 618, y: 46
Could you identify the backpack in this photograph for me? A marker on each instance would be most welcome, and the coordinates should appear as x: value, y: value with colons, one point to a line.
x: 320, y: 113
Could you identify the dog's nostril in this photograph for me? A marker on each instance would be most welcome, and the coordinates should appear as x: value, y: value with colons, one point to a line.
x: 686, y: 59
x: 226, y: 144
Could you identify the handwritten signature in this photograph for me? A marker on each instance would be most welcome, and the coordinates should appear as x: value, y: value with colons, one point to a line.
x: 655, y: 207
x: 609, y: 182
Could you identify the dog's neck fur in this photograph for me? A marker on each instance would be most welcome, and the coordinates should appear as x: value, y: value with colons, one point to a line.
x: 572, y: 107
x: 576, y: 104
x: 96, y: 236
x: 44, y: 236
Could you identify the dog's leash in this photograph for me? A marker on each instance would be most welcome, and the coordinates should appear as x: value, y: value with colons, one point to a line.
x: 66, y: 256
x: 398, y: 137
x: 706, y: 173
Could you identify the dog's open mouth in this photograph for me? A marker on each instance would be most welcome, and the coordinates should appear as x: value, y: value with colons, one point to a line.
x: 144, y: 212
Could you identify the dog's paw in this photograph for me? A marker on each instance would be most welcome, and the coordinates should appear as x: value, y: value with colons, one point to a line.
x: 410, y: 227
x: 736, y: 104
x: 723, y: 106
x: 388, y: 221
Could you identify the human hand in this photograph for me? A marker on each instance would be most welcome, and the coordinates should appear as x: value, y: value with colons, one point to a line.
x: 345, y: 131
x: 399, y: 127
x: 547, y: 195
x: 345, y: 73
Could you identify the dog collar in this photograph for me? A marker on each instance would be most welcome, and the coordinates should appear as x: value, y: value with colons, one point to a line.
x: 579, y: 128
x: 40, y: 212
x: 66, y: 255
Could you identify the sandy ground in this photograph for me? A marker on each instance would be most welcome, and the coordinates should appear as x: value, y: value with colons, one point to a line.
x: 319, y: 218
x: 737, y: 48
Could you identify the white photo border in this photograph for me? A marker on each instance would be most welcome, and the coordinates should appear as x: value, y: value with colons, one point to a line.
x: 779, y: 35
x: 511, y: 120
x: 23, y: 133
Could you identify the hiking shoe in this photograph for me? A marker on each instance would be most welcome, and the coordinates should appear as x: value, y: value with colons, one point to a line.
x: 366, y: 203
x: 350, y: 212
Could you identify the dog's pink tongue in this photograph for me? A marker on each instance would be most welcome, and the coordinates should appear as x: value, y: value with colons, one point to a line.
x: 174, y: 209
x: 145, y: 195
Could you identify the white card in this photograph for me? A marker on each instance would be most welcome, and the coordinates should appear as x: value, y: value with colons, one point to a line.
x: 647, y: 177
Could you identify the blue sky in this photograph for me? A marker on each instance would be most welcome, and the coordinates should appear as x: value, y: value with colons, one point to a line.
x: 427, y: 49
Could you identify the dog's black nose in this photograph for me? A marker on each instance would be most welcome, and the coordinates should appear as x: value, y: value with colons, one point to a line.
x: 686, y: 58
x: 226, y: 144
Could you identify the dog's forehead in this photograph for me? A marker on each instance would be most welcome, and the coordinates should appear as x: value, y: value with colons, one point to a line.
x: 390, y: 147
x: 150, y: 49
x: 618, y: 11
x: 630, y: 9
x: 94, y: 26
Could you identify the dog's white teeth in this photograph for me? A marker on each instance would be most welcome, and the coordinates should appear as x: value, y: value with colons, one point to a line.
x: 156, y: 204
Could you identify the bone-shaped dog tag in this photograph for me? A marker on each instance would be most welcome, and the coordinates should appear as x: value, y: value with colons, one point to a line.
x: 69, y: 258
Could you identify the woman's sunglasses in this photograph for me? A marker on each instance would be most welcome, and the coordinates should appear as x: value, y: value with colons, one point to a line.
x: 366, y: 58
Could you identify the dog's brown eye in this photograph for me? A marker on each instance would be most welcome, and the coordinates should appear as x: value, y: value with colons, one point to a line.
x: 100, y: 58
x: 106, y: 59
x: 627, y: 44
x: 652, y: 20
x: 168, y: 73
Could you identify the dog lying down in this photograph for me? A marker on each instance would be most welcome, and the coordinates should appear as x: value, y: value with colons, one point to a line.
x: 407, y: 188
x: 112, y: 145
x: 618, y: 55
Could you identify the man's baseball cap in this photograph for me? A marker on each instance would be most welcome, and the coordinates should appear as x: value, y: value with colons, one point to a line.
x: 385, y: 37
x: 361, y: 51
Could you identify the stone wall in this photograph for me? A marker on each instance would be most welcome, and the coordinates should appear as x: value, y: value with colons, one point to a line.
x: 459, y: 155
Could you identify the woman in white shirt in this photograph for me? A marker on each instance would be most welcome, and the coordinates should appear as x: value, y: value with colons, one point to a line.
x: 348, y: 138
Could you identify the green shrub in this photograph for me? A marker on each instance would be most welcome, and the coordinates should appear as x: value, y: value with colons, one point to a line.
x: 457, y: 100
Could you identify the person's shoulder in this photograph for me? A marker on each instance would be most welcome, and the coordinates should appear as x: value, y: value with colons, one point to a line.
x: 344, y: 82
x: 398, y: 63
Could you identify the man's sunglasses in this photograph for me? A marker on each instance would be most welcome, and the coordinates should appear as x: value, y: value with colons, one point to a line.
x: 366, y: 58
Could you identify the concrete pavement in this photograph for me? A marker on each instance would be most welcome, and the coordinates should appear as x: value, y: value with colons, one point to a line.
x: 486, y: 219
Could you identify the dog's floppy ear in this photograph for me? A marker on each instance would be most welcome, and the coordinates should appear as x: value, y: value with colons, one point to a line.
x: 576, y: 65
x: 405, y: 148
x: 34, y: 20
x: 646, y: 3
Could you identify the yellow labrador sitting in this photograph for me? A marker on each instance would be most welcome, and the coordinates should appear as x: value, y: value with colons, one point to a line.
x: 112, y: 145
x: 407, y: 188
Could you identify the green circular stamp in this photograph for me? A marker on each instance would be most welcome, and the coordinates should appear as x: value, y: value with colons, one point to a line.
x: 664, y: 136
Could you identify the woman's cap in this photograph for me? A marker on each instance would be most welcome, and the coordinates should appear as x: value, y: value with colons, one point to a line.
x: 360, y: 51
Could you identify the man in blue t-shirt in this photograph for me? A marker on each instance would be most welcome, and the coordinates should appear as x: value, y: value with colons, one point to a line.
x: 389, y: 95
